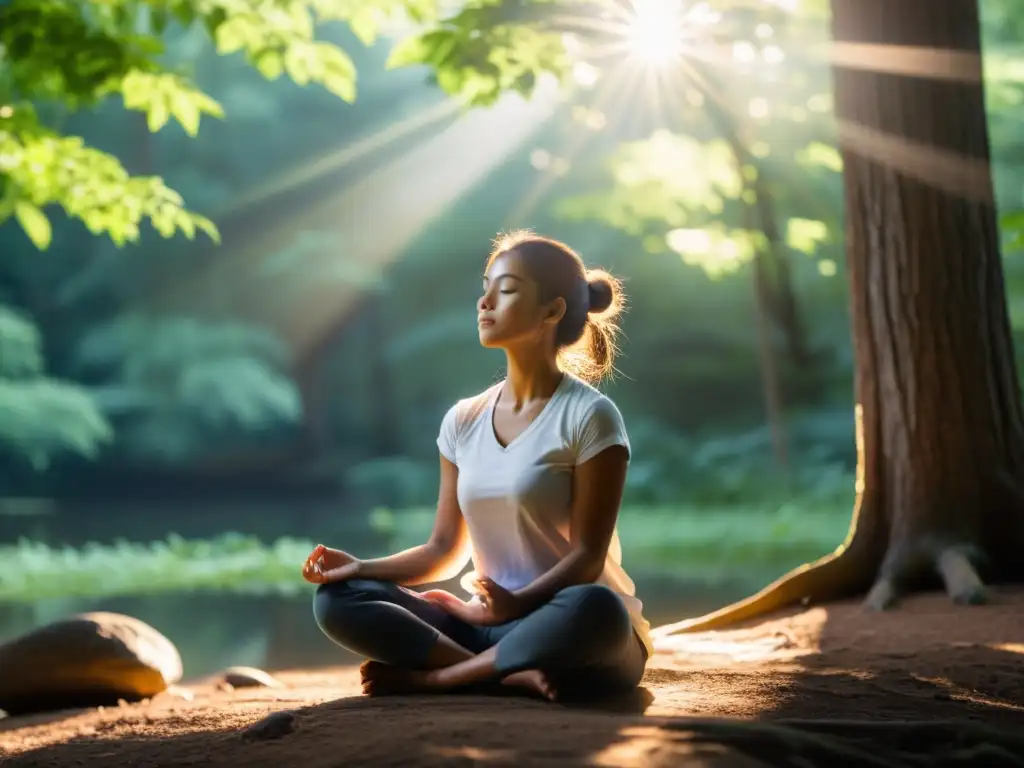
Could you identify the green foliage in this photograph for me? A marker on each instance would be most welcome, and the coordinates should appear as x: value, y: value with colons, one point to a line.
x: 714, y: 545
x: 174, y: 384
x: 76, y: 55
x: 41, y: 418
x: 39, y: 167
x: 671, y: 191
x: 487, y: 49
x: 230, y: 562
x: 21, y: 346
x: 732, y: 467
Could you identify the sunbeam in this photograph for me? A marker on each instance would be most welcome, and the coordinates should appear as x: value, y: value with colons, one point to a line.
x: 343, y: 244
x: 344, y: 156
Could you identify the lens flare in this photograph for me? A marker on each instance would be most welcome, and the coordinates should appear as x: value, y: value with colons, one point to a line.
x: 654, y: 31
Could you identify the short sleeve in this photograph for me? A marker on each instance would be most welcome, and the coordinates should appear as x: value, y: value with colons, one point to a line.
x: 602, y: 428
x: 448, y: 436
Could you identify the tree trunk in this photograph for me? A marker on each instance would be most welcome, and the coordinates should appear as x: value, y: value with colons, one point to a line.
x: 939, y: 421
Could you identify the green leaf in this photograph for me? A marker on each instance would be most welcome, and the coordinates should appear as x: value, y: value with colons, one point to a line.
x: 339, y: 71
x: 186, y: 110
x: 363, y: 24
x: 270, y: 64
x: 157, y: 114
x: 297, y: 66
x: 231, y: 35
x: 35, y: 223
x: 411, y: 50
x: 207, y: 226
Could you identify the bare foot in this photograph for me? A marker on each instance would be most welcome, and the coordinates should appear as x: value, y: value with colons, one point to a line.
x: 385, y: 680
x: 533, y: 680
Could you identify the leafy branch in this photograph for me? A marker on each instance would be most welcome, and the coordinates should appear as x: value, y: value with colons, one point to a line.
x: 76, y: 54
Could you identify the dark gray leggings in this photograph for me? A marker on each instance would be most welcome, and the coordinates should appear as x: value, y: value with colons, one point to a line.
x: 583, y: 637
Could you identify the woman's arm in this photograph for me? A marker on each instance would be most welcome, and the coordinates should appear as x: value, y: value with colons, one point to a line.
x: 445, y: 553
x: 597, y: 493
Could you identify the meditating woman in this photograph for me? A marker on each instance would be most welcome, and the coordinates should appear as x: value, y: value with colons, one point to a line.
x: 532, y: 474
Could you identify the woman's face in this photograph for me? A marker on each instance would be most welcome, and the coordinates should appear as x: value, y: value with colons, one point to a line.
x: 509, y: 311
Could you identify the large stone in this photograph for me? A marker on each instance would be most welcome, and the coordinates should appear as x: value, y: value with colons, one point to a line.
x: 88, y: 660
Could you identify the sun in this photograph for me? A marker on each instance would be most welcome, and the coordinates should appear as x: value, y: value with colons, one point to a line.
x: 653, y: 31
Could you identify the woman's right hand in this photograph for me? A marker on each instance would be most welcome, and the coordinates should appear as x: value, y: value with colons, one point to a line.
x: 325, y: 565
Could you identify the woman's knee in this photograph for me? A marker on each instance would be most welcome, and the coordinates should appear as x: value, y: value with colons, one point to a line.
x: 596, y: 606
x: 331, y: 602
x: 583, y: 626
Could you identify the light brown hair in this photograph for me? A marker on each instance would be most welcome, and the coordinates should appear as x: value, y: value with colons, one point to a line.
x: 586, y: 335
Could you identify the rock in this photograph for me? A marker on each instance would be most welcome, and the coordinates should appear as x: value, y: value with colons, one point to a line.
x: 87, y: 660
x: 249, y: 677
x: 271, y: 727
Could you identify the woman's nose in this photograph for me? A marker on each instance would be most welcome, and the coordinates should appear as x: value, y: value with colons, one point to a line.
x: 484, y: 303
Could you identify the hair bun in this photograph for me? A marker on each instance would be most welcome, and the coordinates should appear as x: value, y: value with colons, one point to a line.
x: 601, y: 292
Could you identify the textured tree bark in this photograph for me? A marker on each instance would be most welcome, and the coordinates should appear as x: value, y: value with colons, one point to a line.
x: 939, y: 420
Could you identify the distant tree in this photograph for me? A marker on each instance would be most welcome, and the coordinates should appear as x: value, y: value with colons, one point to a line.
x: 40, y: 418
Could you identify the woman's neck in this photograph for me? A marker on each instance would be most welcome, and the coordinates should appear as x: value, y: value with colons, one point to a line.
x: 530, y: 377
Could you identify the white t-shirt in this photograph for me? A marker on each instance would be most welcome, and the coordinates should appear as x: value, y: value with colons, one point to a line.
x: 516, y: 499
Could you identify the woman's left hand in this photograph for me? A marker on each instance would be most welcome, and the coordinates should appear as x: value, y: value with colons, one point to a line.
x: 493, y: 605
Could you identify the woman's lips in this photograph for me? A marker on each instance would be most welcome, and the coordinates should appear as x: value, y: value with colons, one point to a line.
x: 485, y: 322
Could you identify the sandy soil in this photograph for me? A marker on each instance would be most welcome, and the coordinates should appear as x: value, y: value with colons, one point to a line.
x: 777, y: 693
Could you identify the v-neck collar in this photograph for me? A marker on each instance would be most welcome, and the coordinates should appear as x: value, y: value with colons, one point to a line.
x: 543, y: 411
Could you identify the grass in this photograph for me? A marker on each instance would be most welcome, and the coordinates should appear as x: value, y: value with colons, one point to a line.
x: 711, y: 545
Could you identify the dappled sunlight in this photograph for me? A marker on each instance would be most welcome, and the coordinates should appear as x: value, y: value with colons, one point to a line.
x: 654, y: 747
x: 1008, y: 647
x: 761, y: 649
x: 473, y: 755
x: 711, y: 709
x: 958, y: 692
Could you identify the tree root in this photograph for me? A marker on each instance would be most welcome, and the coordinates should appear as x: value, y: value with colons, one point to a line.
x: 833, y: 577
x: 961, y: 580
x: 882, y: 596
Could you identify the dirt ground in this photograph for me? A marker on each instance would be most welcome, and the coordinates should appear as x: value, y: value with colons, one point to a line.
x: 783, y: 692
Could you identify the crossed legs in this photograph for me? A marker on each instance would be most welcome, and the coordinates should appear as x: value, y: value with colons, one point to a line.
x: 582, y: 640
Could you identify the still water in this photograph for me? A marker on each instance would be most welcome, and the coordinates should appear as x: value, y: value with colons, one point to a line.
x: 213, y: 631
